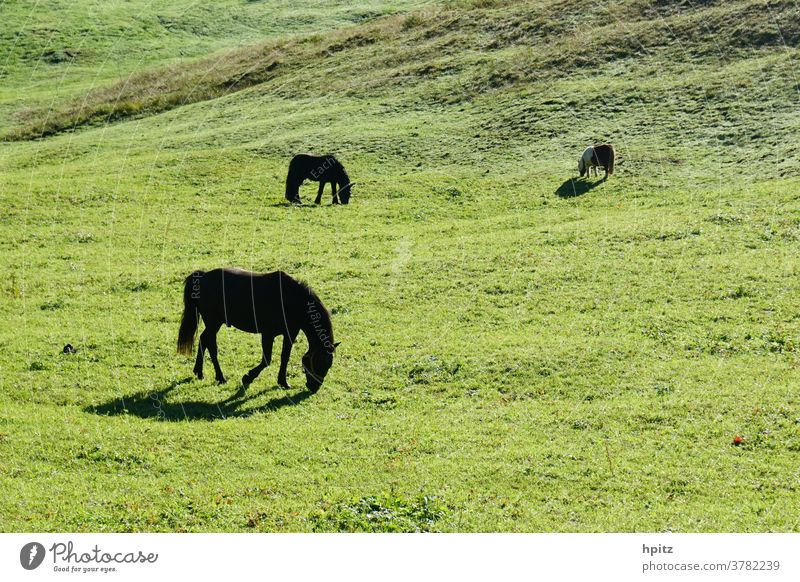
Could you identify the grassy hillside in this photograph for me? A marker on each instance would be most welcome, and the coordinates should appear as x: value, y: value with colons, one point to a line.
x: 53, y: 50
x: 521, y: 351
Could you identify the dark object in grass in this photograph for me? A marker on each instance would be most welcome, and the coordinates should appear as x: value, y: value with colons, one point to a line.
x: 271, y: 304
x: 601, y: 155
x: 68, y: 349
x: 322, y: 169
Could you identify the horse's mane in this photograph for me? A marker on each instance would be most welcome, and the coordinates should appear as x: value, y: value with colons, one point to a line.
x: 344, y: 175
x: 307, y: 288
x: 339, y: 168
x: 299, y: 168
x: 326, y: 316
x: 293, y: 180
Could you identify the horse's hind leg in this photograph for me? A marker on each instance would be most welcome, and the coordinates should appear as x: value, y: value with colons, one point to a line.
x: 208, y: 340
x: 198, y: 363
x: 266, y: 358
x: 318, y: 199
x: 202, y: 346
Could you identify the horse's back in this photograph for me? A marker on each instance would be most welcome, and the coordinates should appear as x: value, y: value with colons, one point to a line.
x: 301, y: 160
x: 604, y: 149
x: 246, y: 300
x: 599, y: 154
x: 310, y: 161
x: 313, y: 166
x: 605, y: 156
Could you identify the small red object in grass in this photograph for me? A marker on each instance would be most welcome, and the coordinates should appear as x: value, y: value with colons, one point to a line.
x: 737, y: 440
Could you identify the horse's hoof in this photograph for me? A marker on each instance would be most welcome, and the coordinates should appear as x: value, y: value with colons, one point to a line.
x: 222, y: 379
x: 284, y: 384
x: 199, y: 375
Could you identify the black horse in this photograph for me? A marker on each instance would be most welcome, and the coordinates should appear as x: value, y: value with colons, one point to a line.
x: 322, y: 169
x: 271, y: 304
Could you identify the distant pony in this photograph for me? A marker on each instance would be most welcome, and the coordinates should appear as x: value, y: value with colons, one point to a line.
x: 322, y: 169
x: 597, y: 156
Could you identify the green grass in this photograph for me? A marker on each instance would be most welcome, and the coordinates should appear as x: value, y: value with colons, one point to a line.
x: 55, y: 50
x: 519, y: 352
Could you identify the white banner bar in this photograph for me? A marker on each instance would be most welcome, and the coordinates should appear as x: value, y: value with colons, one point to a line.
x: 387, y: 557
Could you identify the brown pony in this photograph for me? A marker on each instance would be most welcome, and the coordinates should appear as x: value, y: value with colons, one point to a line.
x: 601, y: 155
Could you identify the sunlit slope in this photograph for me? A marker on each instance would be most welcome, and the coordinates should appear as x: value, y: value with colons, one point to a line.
x: 53, y: 50
x: 717, y: 75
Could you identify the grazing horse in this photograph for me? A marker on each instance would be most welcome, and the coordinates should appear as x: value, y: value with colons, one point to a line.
x: 322, y: 169
x: 271, y: 304
x: 597, y: 156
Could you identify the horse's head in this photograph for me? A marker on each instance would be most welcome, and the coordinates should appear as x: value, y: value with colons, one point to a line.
x: 345, y: 192
x: 316, y: 365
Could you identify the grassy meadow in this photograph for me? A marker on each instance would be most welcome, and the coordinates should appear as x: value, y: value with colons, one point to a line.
x: 521, y: 350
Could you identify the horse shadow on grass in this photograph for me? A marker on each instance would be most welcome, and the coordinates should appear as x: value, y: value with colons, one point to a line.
x: 287, y: 204
x: 576, y: 187
x: 153, y: 404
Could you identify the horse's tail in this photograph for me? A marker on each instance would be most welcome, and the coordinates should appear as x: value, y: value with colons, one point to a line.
x: 191, y: 316
x: 611, y: 156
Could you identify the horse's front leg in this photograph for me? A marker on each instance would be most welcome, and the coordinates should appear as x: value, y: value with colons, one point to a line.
x: 335, y: 195
x: 286, y: 352
x: 266, y: 358
x: 318, y: 199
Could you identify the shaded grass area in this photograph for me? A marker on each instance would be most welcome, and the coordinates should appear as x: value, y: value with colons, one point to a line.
x: 156, y: 404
